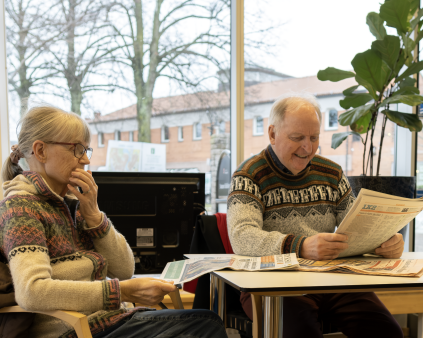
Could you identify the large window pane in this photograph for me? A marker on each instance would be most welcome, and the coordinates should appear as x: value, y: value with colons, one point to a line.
x: 292, y: 51
x: 138, y: 71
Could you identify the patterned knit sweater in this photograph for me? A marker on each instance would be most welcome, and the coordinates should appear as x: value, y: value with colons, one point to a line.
x: 270, y: 210
x: 56, y: 262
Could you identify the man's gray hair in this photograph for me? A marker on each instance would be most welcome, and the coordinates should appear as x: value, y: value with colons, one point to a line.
x: 292, y: 101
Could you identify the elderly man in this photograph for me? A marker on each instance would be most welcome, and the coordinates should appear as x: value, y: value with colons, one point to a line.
x: 287, y: 199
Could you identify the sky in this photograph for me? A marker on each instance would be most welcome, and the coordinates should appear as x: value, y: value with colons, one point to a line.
x: 312, y: 35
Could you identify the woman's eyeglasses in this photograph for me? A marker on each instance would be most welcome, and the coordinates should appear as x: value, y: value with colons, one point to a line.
x: 79, y: 149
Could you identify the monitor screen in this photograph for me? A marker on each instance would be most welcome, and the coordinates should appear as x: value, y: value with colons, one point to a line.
x: 155, y: 212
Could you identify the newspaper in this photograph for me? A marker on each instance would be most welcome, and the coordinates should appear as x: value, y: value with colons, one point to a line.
x: 189, y: 269
x: 384, y: 267
x: 374, y: 218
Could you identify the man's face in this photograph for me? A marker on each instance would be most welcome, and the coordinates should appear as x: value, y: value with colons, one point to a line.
x: 296, y: 140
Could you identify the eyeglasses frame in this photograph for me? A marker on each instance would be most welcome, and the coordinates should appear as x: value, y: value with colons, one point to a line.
x: 75, y: 144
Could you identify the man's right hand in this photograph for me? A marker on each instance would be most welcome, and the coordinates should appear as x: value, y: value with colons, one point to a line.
x: 323, y: 246
x: 146, y: 291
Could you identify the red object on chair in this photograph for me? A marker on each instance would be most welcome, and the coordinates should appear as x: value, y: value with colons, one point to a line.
x: 223, y: 231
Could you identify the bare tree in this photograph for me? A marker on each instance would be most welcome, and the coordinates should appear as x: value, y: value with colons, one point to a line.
x: 179, y: 42
x: 84, y: 55
x: 29, y: 34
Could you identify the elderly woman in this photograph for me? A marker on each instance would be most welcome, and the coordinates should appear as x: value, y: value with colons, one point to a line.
x: 60, y: 247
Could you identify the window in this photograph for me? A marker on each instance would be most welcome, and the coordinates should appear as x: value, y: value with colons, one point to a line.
x: 356, y: 138
x: 197, y: 131
x: 180, y: 134
x: 258, y: 126
x: 222, y: 127
x: 165, y: 134
x: 100, y: 139
x: 331, y: 120
x: 117, y: 135
x: 131, y: 136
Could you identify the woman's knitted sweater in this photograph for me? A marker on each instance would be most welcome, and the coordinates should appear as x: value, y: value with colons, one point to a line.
x: 270, y: 210
x: 56, y: 262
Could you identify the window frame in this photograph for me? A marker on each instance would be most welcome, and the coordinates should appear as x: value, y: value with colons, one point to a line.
x: 163, y: 134
x: 255, y: 132
x: 100, y: 139
x: 327, y: 117
x: 194, y: 136
x: 118, y: 135
x: 180, y: 133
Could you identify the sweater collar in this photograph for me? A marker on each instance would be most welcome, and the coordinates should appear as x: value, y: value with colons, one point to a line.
x: 279, y: 164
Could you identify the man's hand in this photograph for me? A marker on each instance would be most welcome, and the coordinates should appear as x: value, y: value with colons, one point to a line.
x: 323, y: 246
x: 392, y: 248
x: 146, y: 291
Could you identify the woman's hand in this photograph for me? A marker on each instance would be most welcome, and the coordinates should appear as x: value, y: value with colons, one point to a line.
x: 88, y: 199
x: 146, y: 291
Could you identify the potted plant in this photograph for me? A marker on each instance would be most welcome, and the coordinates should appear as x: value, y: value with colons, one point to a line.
x: 386, y: 71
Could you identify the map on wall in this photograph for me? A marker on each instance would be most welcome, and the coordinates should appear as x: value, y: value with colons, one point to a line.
x: 135, y: 156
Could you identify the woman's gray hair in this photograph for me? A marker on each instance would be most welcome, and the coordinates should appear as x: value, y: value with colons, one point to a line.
x: 48, y: 124
x: 292, y: 101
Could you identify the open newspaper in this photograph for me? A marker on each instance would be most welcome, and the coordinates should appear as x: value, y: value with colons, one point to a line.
x: 374, y: 218
x: 187, y: 270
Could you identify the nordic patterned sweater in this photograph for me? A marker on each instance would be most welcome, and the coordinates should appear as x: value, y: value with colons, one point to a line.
x: 56, y: 262
x: 272, y: 211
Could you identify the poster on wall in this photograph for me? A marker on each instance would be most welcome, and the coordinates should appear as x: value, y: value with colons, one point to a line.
x: 135, y: 156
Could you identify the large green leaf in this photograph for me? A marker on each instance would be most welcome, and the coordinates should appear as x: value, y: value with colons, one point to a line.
x: 407, y: 82
x: 389, y: 48
x: 409, y: 45
x: 375, y: 24
x: 338, y: 138
x: 416, y: 20
x: 362, y: 124
x: 395, y: 13
x: 333, y: 74
x: 353, y: 115
x: 411, y: 100
x: 414, y: 6
x: 355, y: 100
x: 407, y: 90
x: 366, y: 85
x: 410, y: 121
x: 419, y: 36
x: 350, y: 90
x: 413, y: 69
x: 370, y: 67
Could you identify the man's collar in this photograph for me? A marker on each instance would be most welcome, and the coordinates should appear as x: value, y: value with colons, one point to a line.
x: 279, y: 164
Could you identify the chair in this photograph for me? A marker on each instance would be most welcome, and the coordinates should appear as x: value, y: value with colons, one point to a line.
x: 79, y: 321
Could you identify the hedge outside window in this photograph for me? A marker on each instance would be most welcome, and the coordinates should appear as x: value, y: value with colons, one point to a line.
x: 100, y: 139
x: 331, y: 119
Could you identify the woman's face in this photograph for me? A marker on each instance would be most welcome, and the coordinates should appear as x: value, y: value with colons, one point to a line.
x: 60, y: 162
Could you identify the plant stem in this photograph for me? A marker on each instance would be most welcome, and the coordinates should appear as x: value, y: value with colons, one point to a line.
x: 364, y: 153
x: 385, y: 118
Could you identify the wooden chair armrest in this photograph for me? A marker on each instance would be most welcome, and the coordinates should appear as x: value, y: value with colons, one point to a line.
x: 176, y: 300
x: 78, y: 321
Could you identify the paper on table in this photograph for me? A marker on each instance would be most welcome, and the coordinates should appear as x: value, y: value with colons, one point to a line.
x: 189, y: 269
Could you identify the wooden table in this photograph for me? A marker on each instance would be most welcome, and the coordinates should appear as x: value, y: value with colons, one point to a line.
x: 269, y: 288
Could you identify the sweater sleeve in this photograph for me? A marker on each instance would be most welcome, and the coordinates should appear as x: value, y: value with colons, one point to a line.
x: 24, y: 243
x: 112, y: 245
x: 345, y: 199
x: 245, y: 223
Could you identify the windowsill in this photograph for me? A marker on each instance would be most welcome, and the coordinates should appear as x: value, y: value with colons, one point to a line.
x: 331, y: 129
x: 165, y: 141
x: 197, y: 139
x: 100, y: 146
x: 181, y: 140
x: 258, y: 134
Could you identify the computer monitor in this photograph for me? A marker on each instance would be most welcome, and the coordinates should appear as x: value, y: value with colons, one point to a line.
x: 155, y: 212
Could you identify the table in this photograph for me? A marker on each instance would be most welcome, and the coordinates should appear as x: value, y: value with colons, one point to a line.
x: 269, y: 288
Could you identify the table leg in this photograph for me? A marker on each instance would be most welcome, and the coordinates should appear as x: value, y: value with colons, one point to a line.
x: 217, y: 293
x: 420, y: 325
x: 273, y: 316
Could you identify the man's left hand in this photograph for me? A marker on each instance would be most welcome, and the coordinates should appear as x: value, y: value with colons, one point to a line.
x: 392, y: 248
